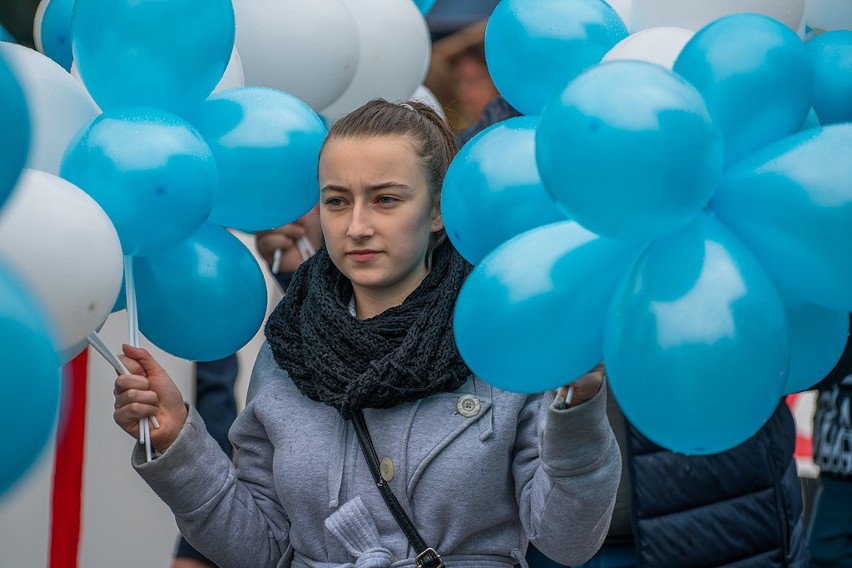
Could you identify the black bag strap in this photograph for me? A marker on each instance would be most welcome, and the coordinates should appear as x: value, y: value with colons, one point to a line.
x: 427, y: 557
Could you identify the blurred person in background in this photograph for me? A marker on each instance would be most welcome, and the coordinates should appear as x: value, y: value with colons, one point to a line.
x: 831, y: 525
x: 458, y: 76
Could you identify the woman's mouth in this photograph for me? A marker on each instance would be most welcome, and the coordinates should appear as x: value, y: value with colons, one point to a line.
x: 362, y: 255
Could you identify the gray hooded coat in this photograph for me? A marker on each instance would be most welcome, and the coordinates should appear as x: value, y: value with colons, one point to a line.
x: 480, y: 471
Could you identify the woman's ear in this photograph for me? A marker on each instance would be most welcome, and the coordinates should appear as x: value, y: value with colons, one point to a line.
x: 437, y: 222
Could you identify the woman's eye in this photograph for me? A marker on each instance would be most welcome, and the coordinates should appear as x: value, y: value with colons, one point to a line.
x: 387, y: 200
x: 333, y: 202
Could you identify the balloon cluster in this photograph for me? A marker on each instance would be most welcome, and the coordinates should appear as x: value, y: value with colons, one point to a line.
x: 707, y: 180
x: 366, y: 49
x: 161, y: 131
x: 30, y: 380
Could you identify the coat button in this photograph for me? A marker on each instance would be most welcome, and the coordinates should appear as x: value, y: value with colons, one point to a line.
x: 386, y: 468
x: 468, y: 406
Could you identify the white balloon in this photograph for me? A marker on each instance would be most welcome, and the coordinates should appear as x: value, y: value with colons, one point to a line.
x: 62, y: 243
x: 622, y: 7
x: 655, y: 45
x: 427, y: 97
x: 307, y: 48
x: 233, y: 78
x: 828, y: 15
x: 37, y: 21
x: 695, y: 14
x: 59, y: 106
x: 394, y: 56
x: 75, y: 72
x: 69, y: 353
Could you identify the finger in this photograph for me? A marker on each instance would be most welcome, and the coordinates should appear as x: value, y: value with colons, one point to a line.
x: 145, y: 359
x: 272, y: 243
x: 131, y: 413
x: 131, y: 396
x: 595, y: 374
x: 293, y: 230
x: 128, y: 382
x: 129, y: 425
x: 131, y: 364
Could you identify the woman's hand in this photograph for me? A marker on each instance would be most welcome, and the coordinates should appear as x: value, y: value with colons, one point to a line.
x: 148, y: 391
x: 585, y: 387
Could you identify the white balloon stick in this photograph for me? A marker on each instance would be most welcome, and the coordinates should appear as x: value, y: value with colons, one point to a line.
x: 306, y: 249
x: 276, y: 261
x: 564, y: 395
x: 101, y: 347
x: 133, y: 328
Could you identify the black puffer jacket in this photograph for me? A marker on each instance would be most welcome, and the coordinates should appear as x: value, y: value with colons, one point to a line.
x: 738, y: 509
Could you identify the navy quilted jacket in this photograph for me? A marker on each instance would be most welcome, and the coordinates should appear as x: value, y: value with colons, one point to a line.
x: 738, y: 509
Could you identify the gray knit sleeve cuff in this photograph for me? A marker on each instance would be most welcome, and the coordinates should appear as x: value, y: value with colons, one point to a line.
x: 575, y: 439
x: 175, y: 476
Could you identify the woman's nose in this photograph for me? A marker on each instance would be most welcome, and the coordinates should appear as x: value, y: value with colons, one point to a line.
x: 360, y: 226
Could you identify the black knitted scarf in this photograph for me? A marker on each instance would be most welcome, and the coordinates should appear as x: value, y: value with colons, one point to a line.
x: 405, y: 353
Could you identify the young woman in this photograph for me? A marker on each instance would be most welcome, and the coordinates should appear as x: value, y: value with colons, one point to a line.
x: 360, y: 392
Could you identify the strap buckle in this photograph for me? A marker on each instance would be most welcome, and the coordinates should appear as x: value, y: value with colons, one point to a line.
x: 429, y: 559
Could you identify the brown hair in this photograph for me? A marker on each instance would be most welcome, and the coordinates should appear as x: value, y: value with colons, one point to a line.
x: 434, y: 142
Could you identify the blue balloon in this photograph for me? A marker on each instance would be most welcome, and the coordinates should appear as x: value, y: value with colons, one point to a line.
x: 30, y: 381
x: 696, y: 341
x: 56, y: 32
x: 121, y: 299
x: 534, y: 48
x: 424, y: 5
x: 15, y: 135
x: 266, y: 145
x: 791, y: 203
x: 493, y: 191
x: 756, y: 76
x: 818, y: 337
x: 6, y: 36
x: 831, y: 56
x: 811, y: 121
x: 530, y: 317
x: 151, y: 172
x: 202, y: 300
x: 629, y: 150
x: 164, y: 54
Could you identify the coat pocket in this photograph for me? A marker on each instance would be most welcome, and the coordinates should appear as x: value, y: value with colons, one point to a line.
x: 443, y: 424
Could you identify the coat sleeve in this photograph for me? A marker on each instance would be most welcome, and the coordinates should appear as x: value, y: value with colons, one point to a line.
x: 230, y: 514
x: 566, y: 467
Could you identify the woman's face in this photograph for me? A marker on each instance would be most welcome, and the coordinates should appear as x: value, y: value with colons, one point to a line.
x: 377, y: 214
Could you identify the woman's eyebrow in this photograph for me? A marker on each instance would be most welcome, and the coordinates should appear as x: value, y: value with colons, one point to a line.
x: 387, y: 185
x: 332, y: 187
x: 371, y: 187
